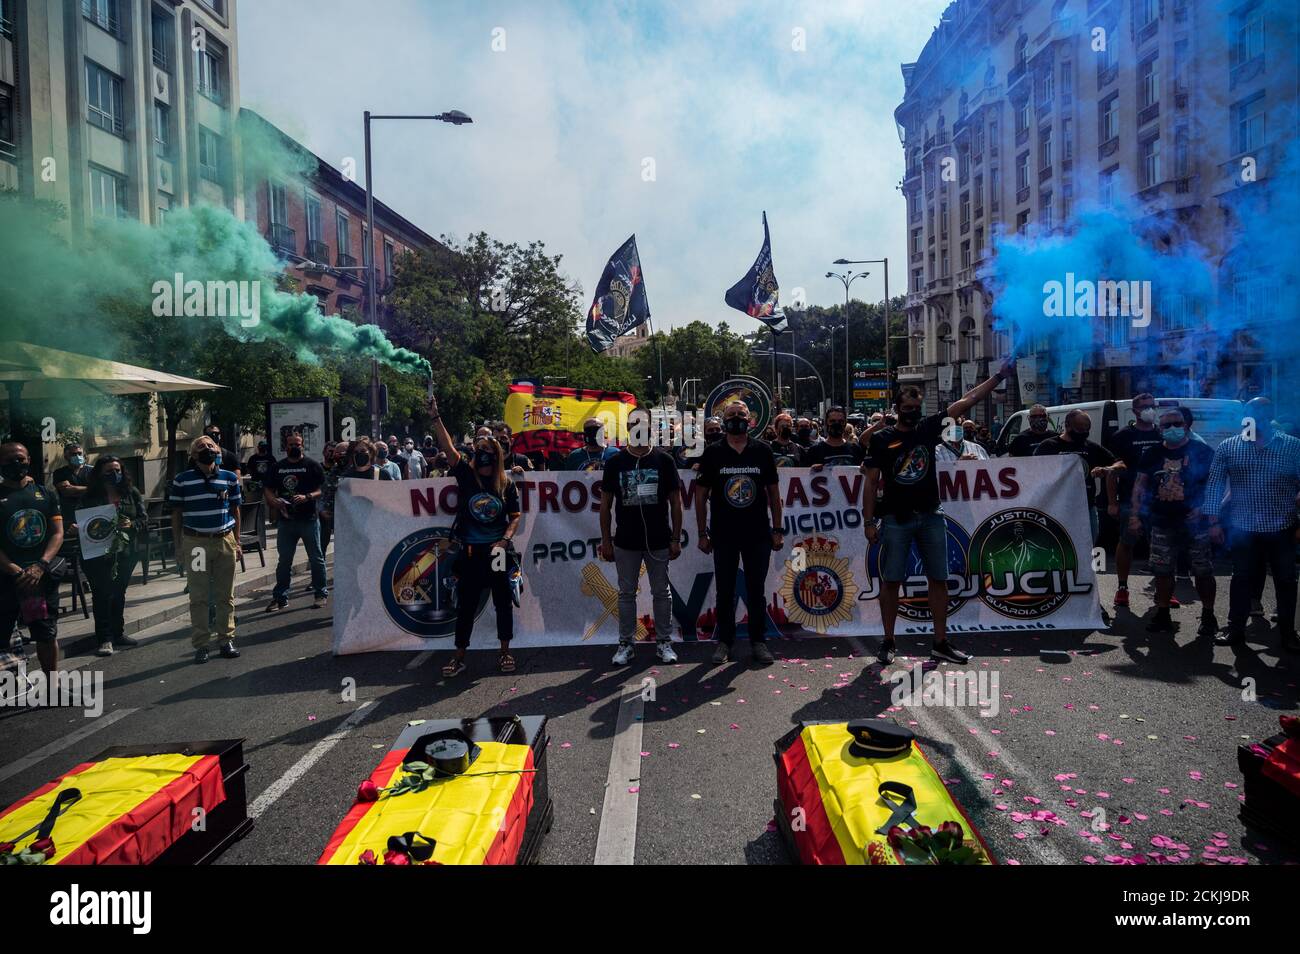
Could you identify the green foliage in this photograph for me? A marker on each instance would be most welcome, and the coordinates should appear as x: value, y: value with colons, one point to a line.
x: 696, y: 350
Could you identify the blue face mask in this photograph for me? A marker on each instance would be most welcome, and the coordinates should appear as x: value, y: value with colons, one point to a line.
x: 1174, y: 435
x: 77, y: 460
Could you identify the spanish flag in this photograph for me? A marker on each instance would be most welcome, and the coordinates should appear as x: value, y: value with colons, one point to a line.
x: 130, y: 811
x: 477, y: 818
x: 833, y: 805
x: 550, y: 419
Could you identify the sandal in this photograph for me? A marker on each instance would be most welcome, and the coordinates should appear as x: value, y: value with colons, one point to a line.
x: 454, y: 668
x: 507, y: 662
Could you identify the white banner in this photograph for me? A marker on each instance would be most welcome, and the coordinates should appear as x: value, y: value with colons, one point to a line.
x: 1027, y: 375
x: 968, y: 370
x: 1019, y: 548
x: 95, y: 526
x: 945, y: 377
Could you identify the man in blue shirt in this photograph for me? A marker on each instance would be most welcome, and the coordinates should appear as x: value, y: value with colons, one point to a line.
x: 205, y: 504
x: 1260, y: 470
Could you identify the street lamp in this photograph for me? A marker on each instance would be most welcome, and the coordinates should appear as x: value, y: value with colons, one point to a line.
x: 847, y: 279
x: 884, y: 262
x: 456, y: 118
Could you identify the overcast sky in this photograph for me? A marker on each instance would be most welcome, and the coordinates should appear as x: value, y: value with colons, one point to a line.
x: 584, y: 96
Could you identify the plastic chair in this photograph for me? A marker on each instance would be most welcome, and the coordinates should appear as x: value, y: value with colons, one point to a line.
x: 252, y: 531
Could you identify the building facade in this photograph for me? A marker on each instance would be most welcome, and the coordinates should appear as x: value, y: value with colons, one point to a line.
x: 315, y: 218
x: 1014, y: 114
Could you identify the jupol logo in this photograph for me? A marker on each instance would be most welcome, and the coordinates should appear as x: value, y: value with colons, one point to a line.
x: 914, y: 595
x: 1026, y: 563
x: 740, y: 491
x: 99, y: 528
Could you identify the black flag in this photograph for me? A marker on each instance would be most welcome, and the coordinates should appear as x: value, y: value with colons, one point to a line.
x: 756, y: 294
x: 620, y: 303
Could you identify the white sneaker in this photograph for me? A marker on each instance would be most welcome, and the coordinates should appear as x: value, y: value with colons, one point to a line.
x: 665, y: 652
x: 623, y: 655
x: 105, y: 648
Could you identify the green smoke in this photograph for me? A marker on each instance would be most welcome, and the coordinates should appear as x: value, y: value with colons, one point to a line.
x: 61, y: 292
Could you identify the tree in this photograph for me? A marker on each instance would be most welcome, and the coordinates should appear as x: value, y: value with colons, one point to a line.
x: 696, y: 350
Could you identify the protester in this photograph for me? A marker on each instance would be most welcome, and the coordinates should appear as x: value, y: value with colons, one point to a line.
x: 1094, y: 460
x: 415, y: 465
x: 71, y: 482
x: 640, y: 482
x: 956, y: 445
x: 785, y: 449
x: 738, y: 483
x: 1260, y: 468
x: 901, y: 459
x: 33, y: 523
x: 591, y: 456
x: 1168, y: 497
x: 257, y: 467
x: 1128, y: 444
x: 429, y: 451
x: 388, y: 469
x: 110, y: 573
x: 986, y: 440
x: 1026, y: 442
x: 486, y: 521
x: 359, y: 461
x: 294, y: 489
x: 228, y: 457
x: 803, y: 432
x: 332, y: 462
x: 205, y: 502
x: 837, y: 450
x: 518, y: 463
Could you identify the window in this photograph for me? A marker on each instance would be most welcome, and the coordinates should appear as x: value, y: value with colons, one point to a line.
x: 312, y: 205
x: 943, y: 220
x: 1106, y: 186
x: 1248, y: 123
x: 1022, y: 171
x: 995, y: 187
x: 107, y: 194
x: 918, y: 279
x: 1148, y: 83
x: 1247, y: 36
x: 162, y: 215
x: 1045, y: 91
x: 1022, y: 116
x: 965, y: 254
x: 102, y: 13
x: 161, y: 27
x: 103, y: 98
x: 916, y: 241
x: 210, y: 155
x: 943, y: 263
x: 965, y: 210
x: 1022, y: 52
x: 1045, y: 147
x: 278, y: 209
x: 1067, y: 139
x: 1067, y: 202
x: 389, y: 252
x: 1109, y: 111
x: 366, y: 244
x: 343, y: 233
x: 207, y: 72
x: 1182, y: 155
x: 1144, y: 11
x: 162, y: 131
x: 979, y: 194
x: 6, y: 19
x: 1067, y: 80
x: 1022, y: 222
x: 7, y: 130
x: 1045, y: 211
x: 977, y: 139
x: 979, y: 244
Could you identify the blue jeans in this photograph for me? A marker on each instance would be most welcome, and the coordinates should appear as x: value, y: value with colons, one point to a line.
x: 929, y: 531
x: 289, y: 532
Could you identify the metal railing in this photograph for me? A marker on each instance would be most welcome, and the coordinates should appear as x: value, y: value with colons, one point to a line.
x: 105, y: 19
x: 282, y: 237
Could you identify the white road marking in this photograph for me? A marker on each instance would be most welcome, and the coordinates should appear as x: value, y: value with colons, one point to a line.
x: 616, y: 842
x: 304, y: 764
x: 58, y: 745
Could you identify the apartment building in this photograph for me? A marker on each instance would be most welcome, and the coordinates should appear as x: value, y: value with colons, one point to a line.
x: 1013, y: 116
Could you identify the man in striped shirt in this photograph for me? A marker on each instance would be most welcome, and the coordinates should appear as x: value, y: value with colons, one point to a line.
x: 205, y: 504
x: 1259, y: 470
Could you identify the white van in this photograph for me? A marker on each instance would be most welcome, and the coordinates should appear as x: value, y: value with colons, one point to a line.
x: 1215, y: 419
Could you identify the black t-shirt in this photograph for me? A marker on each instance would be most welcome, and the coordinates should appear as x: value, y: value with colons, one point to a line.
x: 1129, y: 445
x: 27, y: 521
x: 906, y: 463
x: 80, y: 476
x: 788, y: 455
x: 1090, y: 454
x: 288, y: 478
x: 1024, y: 443
x: 846, y: 455
x: 737, y: 485
x: 1175, y: 481
x: 641, y: 488
x: 258, y: 467
x: 483, y: 515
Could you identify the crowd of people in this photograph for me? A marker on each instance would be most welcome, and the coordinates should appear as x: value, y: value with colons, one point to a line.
x: 1156, y: 479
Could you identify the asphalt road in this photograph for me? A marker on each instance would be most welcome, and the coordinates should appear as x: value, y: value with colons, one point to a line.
x: 1143, y: 728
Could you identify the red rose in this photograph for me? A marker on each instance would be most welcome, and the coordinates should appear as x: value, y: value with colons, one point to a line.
x: 367, y: 858
x: 45, y: 846
x: 396, y: 858
x: 952, y: 828
x: 895, y: 836
x: 367, y: 791
x: 7, y: 848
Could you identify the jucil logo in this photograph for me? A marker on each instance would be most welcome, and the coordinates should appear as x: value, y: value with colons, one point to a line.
x: 1026, y: 562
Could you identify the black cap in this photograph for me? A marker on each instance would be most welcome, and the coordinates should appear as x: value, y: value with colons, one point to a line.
x: 878, y: 738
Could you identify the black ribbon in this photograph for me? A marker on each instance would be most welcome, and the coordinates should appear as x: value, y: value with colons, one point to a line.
x: 407, y: 844
x: 62, y: 802
x: 902, y: 811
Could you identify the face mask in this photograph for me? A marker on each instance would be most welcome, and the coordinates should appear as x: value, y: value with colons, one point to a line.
x: 953, y: 437
x: 784, y: 432
x: 1038, y: 424
x: 295, y: 452
x: 712, y: 437
x: 77, y: 460
x: 835, y: 428
x: 114, y: 477
x: 484, y: 458
x: 206, y: 457
x: 1147, y: 415
x: 361, y: 459
x: 383, y: 455
x: 1174, y: 435
x: 1080, y: 435
x: 14, y: 470
x: 593, y: 436
x: 736, y: 425
x: 910, y: 418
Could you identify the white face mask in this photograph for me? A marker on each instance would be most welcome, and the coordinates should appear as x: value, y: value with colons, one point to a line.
x: 1148, y: 415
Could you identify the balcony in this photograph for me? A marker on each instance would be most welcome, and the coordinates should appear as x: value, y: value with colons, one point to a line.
x: 940, y: 286
x: 1106, y: 76
x: 160, y: 59
x: 105, y: 19
x: 967, y: 276
x: 8, y: 151
x: 914, y: 300
x: 910, y: 372
x: 1022, y: 136
x: 344, y: 260
x: 976, y: 158
x: 282, y: 238
x: 979, y: 211
x: 1044, y: 173
x: 1149, y: 114
x: 1148, y: 31
x: 917, y: 257
x: 1018, y: 72
x: 105, y: 121
x: 1107, y: 148
x: 1022, y: 195
x: 318, y: 251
